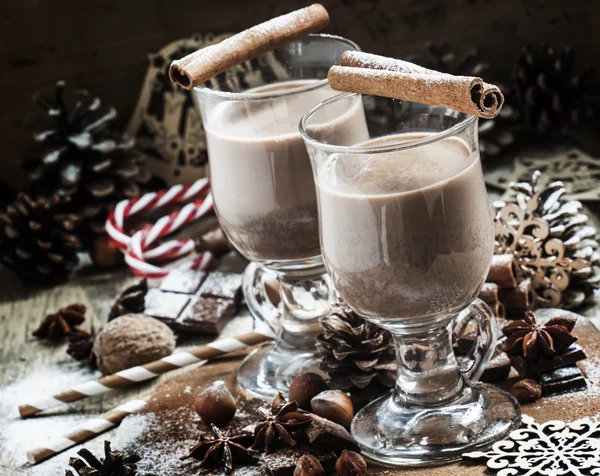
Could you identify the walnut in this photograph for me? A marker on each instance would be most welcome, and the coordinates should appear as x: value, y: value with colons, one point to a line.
x: 130, y: 340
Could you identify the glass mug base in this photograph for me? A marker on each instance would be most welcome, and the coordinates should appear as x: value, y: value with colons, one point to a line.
x: 270, y: 369
x: 392, y: 432
x: 305, y: 294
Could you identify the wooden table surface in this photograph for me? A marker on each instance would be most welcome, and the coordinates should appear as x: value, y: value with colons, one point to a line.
x: 29, y: 366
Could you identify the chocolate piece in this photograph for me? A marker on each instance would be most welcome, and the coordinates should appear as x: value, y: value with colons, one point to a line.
x: 222, y: 285
x: 193, y: 301
x: 283, y: 462
x: 324, y: 433
x: 165, y: 306
x: 562, y: 380
x: 464, y: 343
x: 527, y: 369
x: 185, y: 281
x: 207, y: 314
x: 497, y: 369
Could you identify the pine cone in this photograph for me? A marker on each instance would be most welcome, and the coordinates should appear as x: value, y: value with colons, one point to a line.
x: 550, y: 94
x: 78, y: 155
x: 495, y: 135
x: 38, y: 239
x: 355, y: 352
x: 114, y: 463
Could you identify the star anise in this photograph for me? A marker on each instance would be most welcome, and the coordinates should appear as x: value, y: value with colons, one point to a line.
x: 130, y: 301
x: 62, y: 323
x: 279, y: 425
x: 534, y: 341
x: 80, y: 346
x: 222, y: 449
x: 114, y: 463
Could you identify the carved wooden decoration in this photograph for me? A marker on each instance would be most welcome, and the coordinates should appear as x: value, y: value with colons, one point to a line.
x: 551, y: 240
x: 579, y: 173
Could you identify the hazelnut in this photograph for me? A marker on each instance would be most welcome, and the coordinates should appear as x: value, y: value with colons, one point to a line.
x: 130, y: 340
x: 350, y: 464
x: 305, y: 387
x: 526, y: 391
x: 308, y: 465
x: 334, y: 405
x: 105, y: 253
x: 216, y: 404
x: 214, y: 241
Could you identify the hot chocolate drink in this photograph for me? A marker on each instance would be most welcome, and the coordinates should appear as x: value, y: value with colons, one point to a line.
x: 261, y: 177
x: 407, y: 233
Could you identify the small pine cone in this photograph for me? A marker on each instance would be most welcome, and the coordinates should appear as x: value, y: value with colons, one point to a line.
x: 38, y: 239
x: 355, y: 352
x: 550, y: 93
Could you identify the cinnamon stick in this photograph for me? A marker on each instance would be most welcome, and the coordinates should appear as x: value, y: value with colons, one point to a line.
x: 371, y: 74
x: 503, y: 271
x: 519, y: 299
x: 198, y: 67
x: 489, y: 293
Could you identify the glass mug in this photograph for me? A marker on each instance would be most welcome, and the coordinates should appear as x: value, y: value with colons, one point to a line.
x: 407, y: 238
x: 264, y: 195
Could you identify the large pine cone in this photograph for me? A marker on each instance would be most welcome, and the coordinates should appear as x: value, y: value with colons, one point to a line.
x: 38, y: 239
x: 78, y: 155
x: 355, y: 352
x: 550, y: 94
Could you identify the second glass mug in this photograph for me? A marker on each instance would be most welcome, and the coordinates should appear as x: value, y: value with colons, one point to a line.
x: 264, y: 195
x: 407, y: 237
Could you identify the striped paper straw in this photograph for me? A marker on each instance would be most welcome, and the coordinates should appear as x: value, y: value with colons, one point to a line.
x: 146, y: 372
x: 84, y: 432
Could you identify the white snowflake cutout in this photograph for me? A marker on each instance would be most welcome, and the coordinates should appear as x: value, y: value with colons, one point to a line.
x: 554, y: 448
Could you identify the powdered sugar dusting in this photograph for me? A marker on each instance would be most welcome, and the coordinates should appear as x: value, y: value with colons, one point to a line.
x: 370, y: 61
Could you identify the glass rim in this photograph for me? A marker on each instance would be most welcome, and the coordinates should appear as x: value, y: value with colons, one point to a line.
x: 431, y: 137
x: 244, y: 96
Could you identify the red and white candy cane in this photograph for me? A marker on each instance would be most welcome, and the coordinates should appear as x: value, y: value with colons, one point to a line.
x: 142, y: 248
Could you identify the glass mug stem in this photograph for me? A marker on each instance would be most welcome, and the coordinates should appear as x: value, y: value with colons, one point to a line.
x: 306, y: 296
x: 429, y: 373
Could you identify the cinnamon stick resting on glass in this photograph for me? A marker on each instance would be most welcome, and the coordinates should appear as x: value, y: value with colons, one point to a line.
x: 371, y: 74
x: 199, y: 66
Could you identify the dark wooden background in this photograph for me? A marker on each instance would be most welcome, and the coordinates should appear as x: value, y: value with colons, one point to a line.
x: 102, y: 45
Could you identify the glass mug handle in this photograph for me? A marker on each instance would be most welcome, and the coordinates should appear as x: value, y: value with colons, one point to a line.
x: 261, y: 307
x: 473, y: 364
